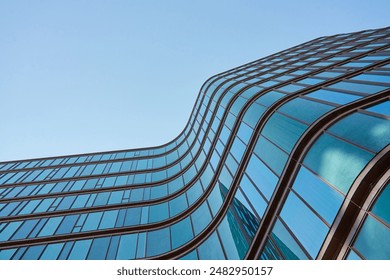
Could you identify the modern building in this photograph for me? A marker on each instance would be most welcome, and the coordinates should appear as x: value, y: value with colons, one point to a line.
x: 286, y: 157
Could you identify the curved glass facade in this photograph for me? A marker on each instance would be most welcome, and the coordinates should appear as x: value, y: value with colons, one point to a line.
x: 277, y: 156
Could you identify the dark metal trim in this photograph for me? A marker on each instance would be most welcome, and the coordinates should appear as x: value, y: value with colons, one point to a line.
x: 359, y: 199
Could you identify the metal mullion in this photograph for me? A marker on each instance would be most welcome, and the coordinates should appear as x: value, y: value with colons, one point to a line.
x: 288, y: 176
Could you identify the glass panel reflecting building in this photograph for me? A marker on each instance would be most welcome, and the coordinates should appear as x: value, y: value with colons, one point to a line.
x: 286, y: 157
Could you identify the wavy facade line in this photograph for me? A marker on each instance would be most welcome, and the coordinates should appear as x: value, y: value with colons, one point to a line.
x: 286, y: 157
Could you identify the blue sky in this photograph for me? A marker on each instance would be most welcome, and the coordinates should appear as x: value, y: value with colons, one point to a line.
x: 81, y: 76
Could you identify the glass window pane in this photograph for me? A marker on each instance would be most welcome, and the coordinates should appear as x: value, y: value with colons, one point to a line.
x: 381, y: 206
x: 50, y: 227
x: 373, y: 240
x: 200, y: 218
x: 283, y: 131
x: 325, y: 200
x: 336, y: 161
x: 80, y: 250
x: 177, y: 205
x: 109, y: 219
x: 274, y: 157
x: 33, y: 252
x: 211, y: 249
x: 158, y: 212
x: 263, y: 178
x: 133, y: 216
x: 333, y: 96
x: 52, y: 251
x: 253, y: 196
x: 158, y: 242
x: 270, y: 252
x: 368, y: 131
x: 92, y: 221
x: 307, y: 227
x: 99, y: 248
x: 127, y: 247
x: 382, y: 108
x: 7, y: 254
x: 286, y: 243
x: 194, y: 192
x: 181, y: 233
x: 352, y: 256
x: 361, y: 88
x: 305, y: 110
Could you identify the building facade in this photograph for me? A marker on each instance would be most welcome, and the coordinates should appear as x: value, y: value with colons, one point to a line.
x: 286, y: 157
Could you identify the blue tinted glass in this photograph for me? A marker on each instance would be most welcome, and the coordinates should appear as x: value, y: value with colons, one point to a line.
x: 28, y: 209
x: 269, y: 98
x: 113, y: 248
x: 141, y: 244
x: 325, y: 200
x: 44, y: 206
x: 368, y: 131
x: 133, y: 216
x: 52, y: 251
x: 373, y: 240
x: 372, y: 78
x: 333, y: 96
x: 307, y: 227
x: 33, y: 252
x: 253, y: 196
x: 352, y: 256
x: 305, y: 110
x: 336, y: 161
x: 381, y: 206
x: 50, y: 226
x: 66, y: 250
x: 382, y: 108
x: 274, y: 157
x: 238, y: 149
x: 6, y: 254
x: 158, y: 242
x: 194, y: 192
x: 181, y: 233
x: 291, y: 88
x: 216, y: 198
x: 270, y: 252
x: 159, y: 191
x: 283, y: 131
x: 190, y: 256
x: 127, y: 247
x: 136, y: 195
x: 80, y: 201
x: 115, y: 197
x: 328, y: 74
x: 99, y: 248
x: 211, y: 249
x: 92, y: 221
x: 109, y: 219
x: 237, y: 230
x: 80, y: 250
x: 66, y: 203
x: 263, y: 178
x: 158, y: 212
x: 361, y: 88
x: 24, y: 230
x: 310, y: 81
x: 286, y: 243
x: 245, y: 132
x: 200, y: 218
x: 177, y: 205
x: 253, y: 114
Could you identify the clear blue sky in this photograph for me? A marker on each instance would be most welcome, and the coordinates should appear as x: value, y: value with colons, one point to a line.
x: 81, y: 76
